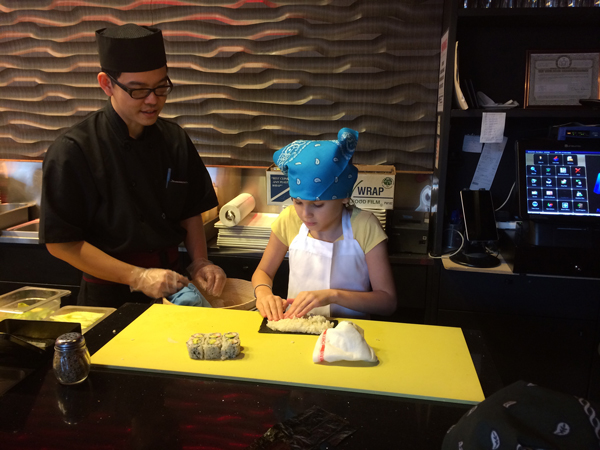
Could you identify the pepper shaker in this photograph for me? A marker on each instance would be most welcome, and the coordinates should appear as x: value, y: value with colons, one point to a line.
x: 72, y: 360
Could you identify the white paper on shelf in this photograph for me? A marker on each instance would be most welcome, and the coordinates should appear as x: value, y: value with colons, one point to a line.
x: 487, y: 165
x: 492, y: 128
x: 252, y: 232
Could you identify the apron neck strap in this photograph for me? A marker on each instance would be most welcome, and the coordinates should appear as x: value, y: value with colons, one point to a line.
x: 347, y: 225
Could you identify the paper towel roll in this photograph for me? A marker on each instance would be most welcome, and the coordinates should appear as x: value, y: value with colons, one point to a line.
x: 233, y: 212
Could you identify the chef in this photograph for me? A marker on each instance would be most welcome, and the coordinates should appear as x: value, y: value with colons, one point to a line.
x: 124, y: 187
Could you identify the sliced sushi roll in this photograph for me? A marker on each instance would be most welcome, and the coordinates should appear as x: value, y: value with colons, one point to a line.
x: 212, y: 346
x: 194, y: 346
x: 231, y: 335
x: 231, y: 345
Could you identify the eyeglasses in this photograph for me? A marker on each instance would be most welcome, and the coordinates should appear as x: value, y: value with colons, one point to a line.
x: 137, y: 94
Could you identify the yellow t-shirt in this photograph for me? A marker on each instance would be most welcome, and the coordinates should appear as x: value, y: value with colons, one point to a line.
x: 365, y: 226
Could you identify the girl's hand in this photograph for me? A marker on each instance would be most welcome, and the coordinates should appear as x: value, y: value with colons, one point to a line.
x: 271, y: 306
x: 307, y: 300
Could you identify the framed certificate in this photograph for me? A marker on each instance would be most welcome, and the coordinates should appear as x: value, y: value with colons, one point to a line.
x: 561, y: 78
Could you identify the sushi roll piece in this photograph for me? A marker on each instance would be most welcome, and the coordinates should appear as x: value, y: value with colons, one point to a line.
x: 231, y: 345
x: 212, y: 346
x: 194, y: 346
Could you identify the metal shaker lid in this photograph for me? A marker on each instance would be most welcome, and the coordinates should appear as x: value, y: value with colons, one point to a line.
x: 69, y: 341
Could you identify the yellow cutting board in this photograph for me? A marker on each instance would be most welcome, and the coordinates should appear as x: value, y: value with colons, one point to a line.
x: 418, y: 361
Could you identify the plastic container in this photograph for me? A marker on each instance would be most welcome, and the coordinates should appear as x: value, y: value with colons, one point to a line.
x: 31, y: 303
x: 87, y: 316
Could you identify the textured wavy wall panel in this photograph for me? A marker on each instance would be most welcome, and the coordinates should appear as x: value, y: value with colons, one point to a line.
x: 250, y: 76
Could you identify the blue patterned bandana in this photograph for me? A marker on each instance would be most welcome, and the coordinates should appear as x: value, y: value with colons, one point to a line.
x: 320, y: 170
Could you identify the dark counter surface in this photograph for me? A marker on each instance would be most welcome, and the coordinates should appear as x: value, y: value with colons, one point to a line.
x: 119, y: 409
x: 395, y: 258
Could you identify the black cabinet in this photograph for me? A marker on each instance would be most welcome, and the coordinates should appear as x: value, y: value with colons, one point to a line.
x: 31, y: 265
x: 411, y: 274
x: 537, y: 328
x: 242, y: 265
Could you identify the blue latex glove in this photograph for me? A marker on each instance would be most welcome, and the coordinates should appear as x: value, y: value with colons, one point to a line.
x: 189, y: 296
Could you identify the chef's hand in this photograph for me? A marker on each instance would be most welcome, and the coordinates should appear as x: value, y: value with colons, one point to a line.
x: 307, y: 300
x: 210, y: 278
x: 271, y: 306
x: 157, y: 283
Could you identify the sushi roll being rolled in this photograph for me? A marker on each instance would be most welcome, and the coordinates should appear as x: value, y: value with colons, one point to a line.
x: 212, y: 346
x: 194, y: 346
x: 230, y: 347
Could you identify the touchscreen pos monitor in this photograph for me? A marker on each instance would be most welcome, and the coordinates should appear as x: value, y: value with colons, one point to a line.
x: 559, y: 181
x: 480, y: 229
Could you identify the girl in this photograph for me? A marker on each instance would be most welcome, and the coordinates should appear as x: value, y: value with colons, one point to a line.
x: 338, y: 258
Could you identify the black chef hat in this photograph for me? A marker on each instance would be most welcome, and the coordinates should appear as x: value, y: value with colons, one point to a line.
x: 131, y: 48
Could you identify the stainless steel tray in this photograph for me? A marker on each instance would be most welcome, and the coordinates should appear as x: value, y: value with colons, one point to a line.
x: 72, y: 310
x: 24, y: 233
x: 12, y: 214
x: 31, y: 303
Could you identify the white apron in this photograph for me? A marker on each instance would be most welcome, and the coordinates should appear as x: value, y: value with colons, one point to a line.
x: 316, y: 265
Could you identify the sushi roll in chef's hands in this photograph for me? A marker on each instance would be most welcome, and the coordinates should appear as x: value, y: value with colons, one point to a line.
x: 210, y: 277
x: 157, y: 283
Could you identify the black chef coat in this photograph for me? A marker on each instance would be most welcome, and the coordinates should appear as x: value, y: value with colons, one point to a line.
x: 125, y: 196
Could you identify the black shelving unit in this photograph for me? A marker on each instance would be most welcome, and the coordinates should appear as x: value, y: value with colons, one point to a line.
x: 560, y: 113
x: 551, y: 16
x: 492, y: 53
x: 535, y: 330
x: 524, y: 16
